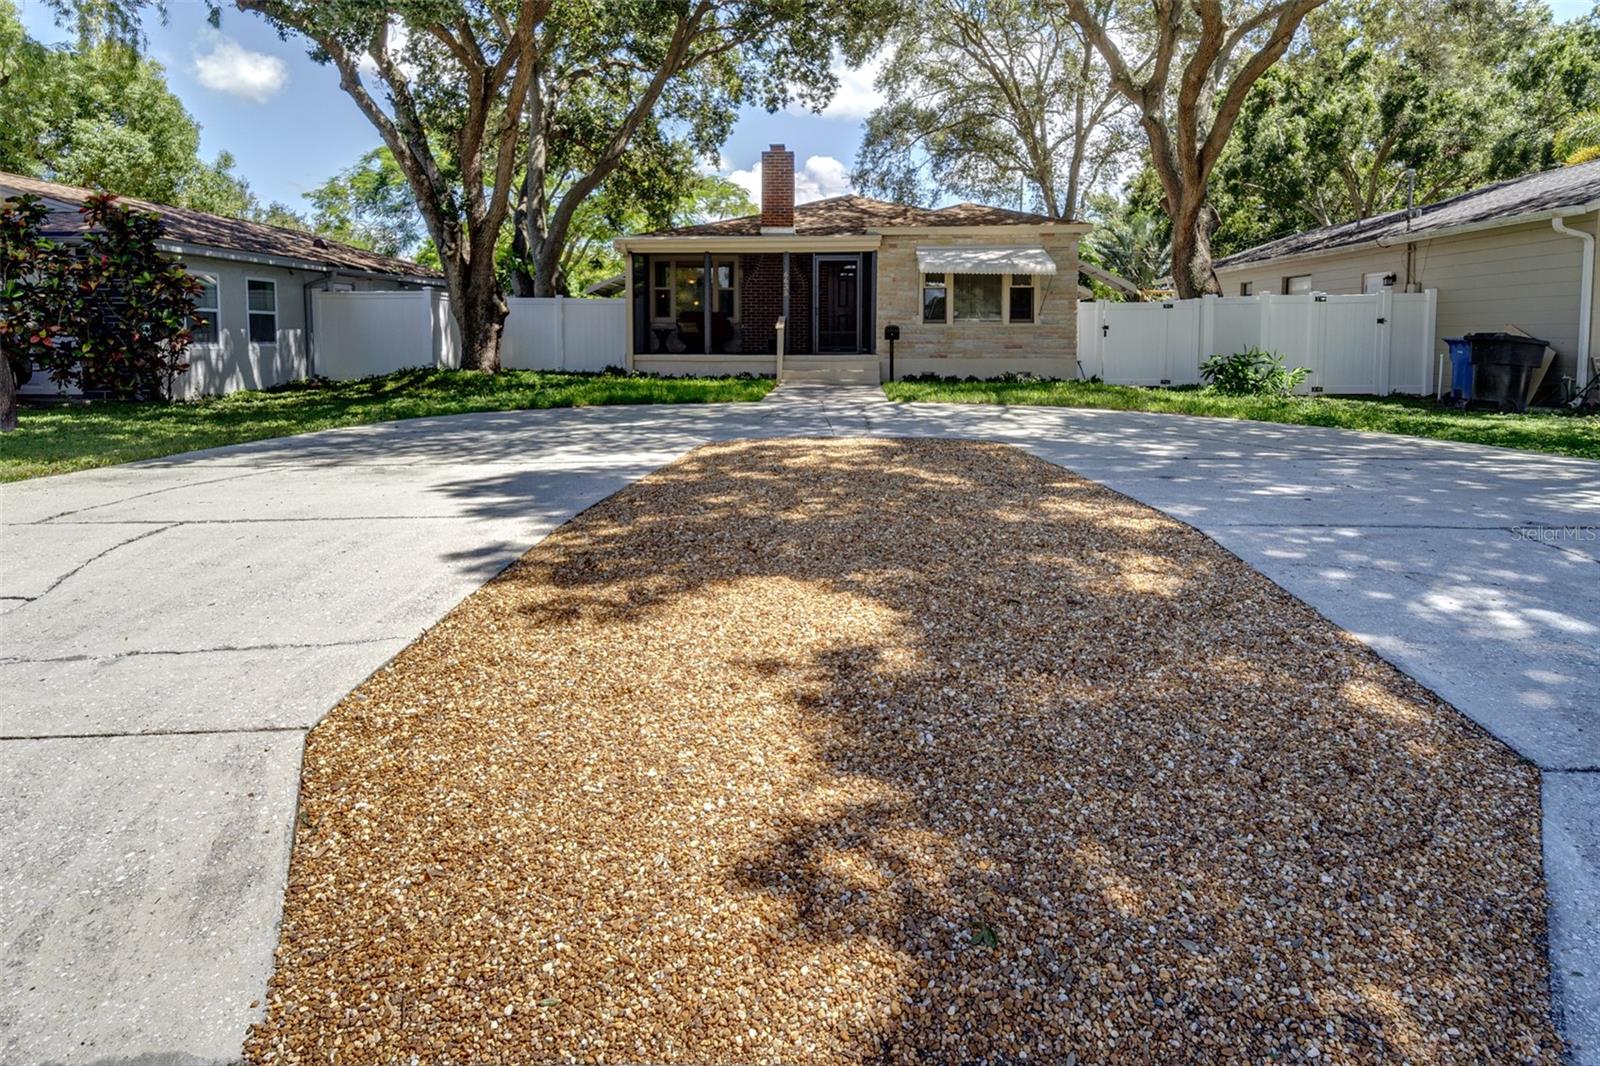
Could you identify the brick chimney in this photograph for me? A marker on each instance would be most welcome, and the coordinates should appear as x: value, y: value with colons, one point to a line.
x: 777, y: 190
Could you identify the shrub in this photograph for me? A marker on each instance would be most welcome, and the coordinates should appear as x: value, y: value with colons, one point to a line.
x: 1252, y: 372
x: 138, y: 302
x: 39, y: 298
x: 111, y: 313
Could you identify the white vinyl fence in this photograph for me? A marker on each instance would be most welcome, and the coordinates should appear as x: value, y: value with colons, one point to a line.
x: 359, y: 334
x: 559, y: 333
x: 1375, y: 343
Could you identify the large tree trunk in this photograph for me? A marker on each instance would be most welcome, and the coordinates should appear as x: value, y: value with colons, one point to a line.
x: 480, y: 313
x: 8, y: 396
x: 1192, y: 226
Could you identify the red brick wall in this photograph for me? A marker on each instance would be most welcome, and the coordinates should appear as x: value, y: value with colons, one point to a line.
x: 761, y: 301
x: 777, y: 187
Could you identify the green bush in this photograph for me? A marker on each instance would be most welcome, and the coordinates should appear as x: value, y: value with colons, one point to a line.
x: 109, y: 313
x: 1252, y: 372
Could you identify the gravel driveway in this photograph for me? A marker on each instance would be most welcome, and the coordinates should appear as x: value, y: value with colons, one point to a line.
x: 744, y: 765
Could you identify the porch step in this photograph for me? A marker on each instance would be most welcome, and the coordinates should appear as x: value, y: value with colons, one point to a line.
x: 832, y: 369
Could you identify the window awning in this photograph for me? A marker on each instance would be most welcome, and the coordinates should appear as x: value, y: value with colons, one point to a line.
x: 971, y: 259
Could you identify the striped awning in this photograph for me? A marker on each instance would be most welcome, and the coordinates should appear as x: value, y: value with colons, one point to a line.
x: 973, y: 259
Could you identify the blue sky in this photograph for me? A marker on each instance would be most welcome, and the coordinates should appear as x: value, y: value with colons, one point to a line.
x: 290, y: 127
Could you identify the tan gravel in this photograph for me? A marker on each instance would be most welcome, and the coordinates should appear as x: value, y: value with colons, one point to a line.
x: 910, y: 751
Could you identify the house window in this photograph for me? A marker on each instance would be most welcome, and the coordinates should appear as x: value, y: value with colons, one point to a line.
x: 262, y: 302
x: 1377, y: 282
x: 977, y: 297
x: 1019, y: 302
x: 677, y: 287
x: 688, y: 287
x: 934, y: 301
x: 661, y: 289
x: 205, y: 323
x: 1247, y: 288
x: 1297, y: 285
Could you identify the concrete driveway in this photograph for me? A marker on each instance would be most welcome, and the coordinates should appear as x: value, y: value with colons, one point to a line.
x: 169, y: 630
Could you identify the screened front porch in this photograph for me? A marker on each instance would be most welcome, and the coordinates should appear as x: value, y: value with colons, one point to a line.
x: 710, y: 303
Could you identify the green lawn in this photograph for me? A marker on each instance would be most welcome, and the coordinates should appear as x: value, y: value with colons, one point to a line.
x: 1559, y: 434
x: 54, y: 440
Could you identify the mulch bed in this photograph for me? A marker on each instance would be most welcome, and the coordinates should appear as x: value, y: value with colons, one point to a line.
x: 909, y: 751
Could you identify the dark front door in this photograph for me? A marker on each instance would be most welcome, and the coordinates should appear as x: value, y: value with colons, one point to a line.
x: 838, y: 304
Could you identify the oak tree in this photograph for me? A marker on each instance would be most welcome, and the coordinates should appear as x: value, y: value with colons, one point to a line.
x: 1187, y: 67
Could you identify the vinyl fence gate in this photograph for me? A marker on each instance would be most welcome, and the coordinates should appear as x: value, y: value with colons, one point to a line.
x: 1374, y: 343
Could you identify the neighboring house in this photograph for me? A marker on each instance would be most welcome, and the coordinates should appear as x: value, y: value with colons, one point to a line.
x: 974, y: 290
x: 253, y: 326
x: 1517, y: 253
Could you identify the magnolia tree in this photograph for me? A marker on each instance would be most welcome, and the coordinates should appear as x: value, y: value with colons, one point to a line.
x: 111, y: 313
x: 135, y: 306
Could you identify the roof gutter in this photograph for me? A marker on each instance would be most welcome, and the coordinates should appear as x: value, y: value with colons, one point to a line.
x: 1585, y: 295
x: 1488, y: 223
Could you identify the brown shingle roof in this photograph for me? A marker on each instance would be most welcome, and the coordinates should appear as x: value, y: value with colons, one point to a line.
x: 1532, y: 194
x: 183, y: 226
x: 842, y: 215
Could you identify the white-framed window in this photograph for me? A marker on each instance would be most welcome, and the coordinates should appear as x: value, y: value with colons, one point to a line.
x: 1006, y: 298
x: 677, y: 287
x: 261, y: 301
x: 1247, y: 288
x: 935, y: 298
x: 205, y: 324
x: 1297, y: 284
x: 1019, y: 298
x: 1377, y: 281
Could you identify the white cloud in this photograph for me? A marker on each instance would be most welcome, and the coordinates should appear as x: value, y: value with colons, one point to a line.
x: 857, y: 95
x: 820, y: 177
x: 232, y: 68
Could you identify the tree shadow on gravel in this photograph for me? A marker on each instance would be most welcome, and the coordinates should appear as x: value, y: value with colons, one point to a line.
x: 1159, y: 798
x: 925, y: 751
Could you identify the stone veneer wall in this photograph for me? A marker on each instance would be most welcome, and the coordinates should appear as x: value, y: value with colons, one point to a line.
x: 1047, y: 347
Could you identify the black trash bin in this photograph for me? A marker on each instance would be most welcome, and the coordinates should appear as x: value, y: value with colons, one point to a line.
x: 1501, y: 366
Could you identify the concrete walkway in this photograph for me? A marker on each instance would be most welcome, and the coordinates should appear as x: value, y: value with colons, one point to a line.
x: 169, y: 630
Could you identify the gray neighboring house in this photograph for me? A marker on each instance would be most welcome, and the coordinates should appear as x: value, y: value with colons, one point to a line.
x: 253, y: 325
x: 1516, y: 253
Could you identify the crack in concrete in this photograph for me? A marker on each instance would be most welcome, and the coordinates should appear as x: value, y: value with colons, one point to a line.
x: 57, y: 583
x: 111, y: 657
x: 142, y: 495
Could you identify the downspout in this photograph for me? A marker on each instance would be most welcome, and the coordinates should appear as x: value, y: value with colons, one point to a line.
x: 1585, y: 296
x: 305, y: 306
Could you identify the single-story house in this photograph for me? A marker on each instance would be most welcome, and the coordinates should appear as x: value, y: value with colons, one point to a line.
x: 1516, y: 253
x: 973, y: 290
x: 253, y: 326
